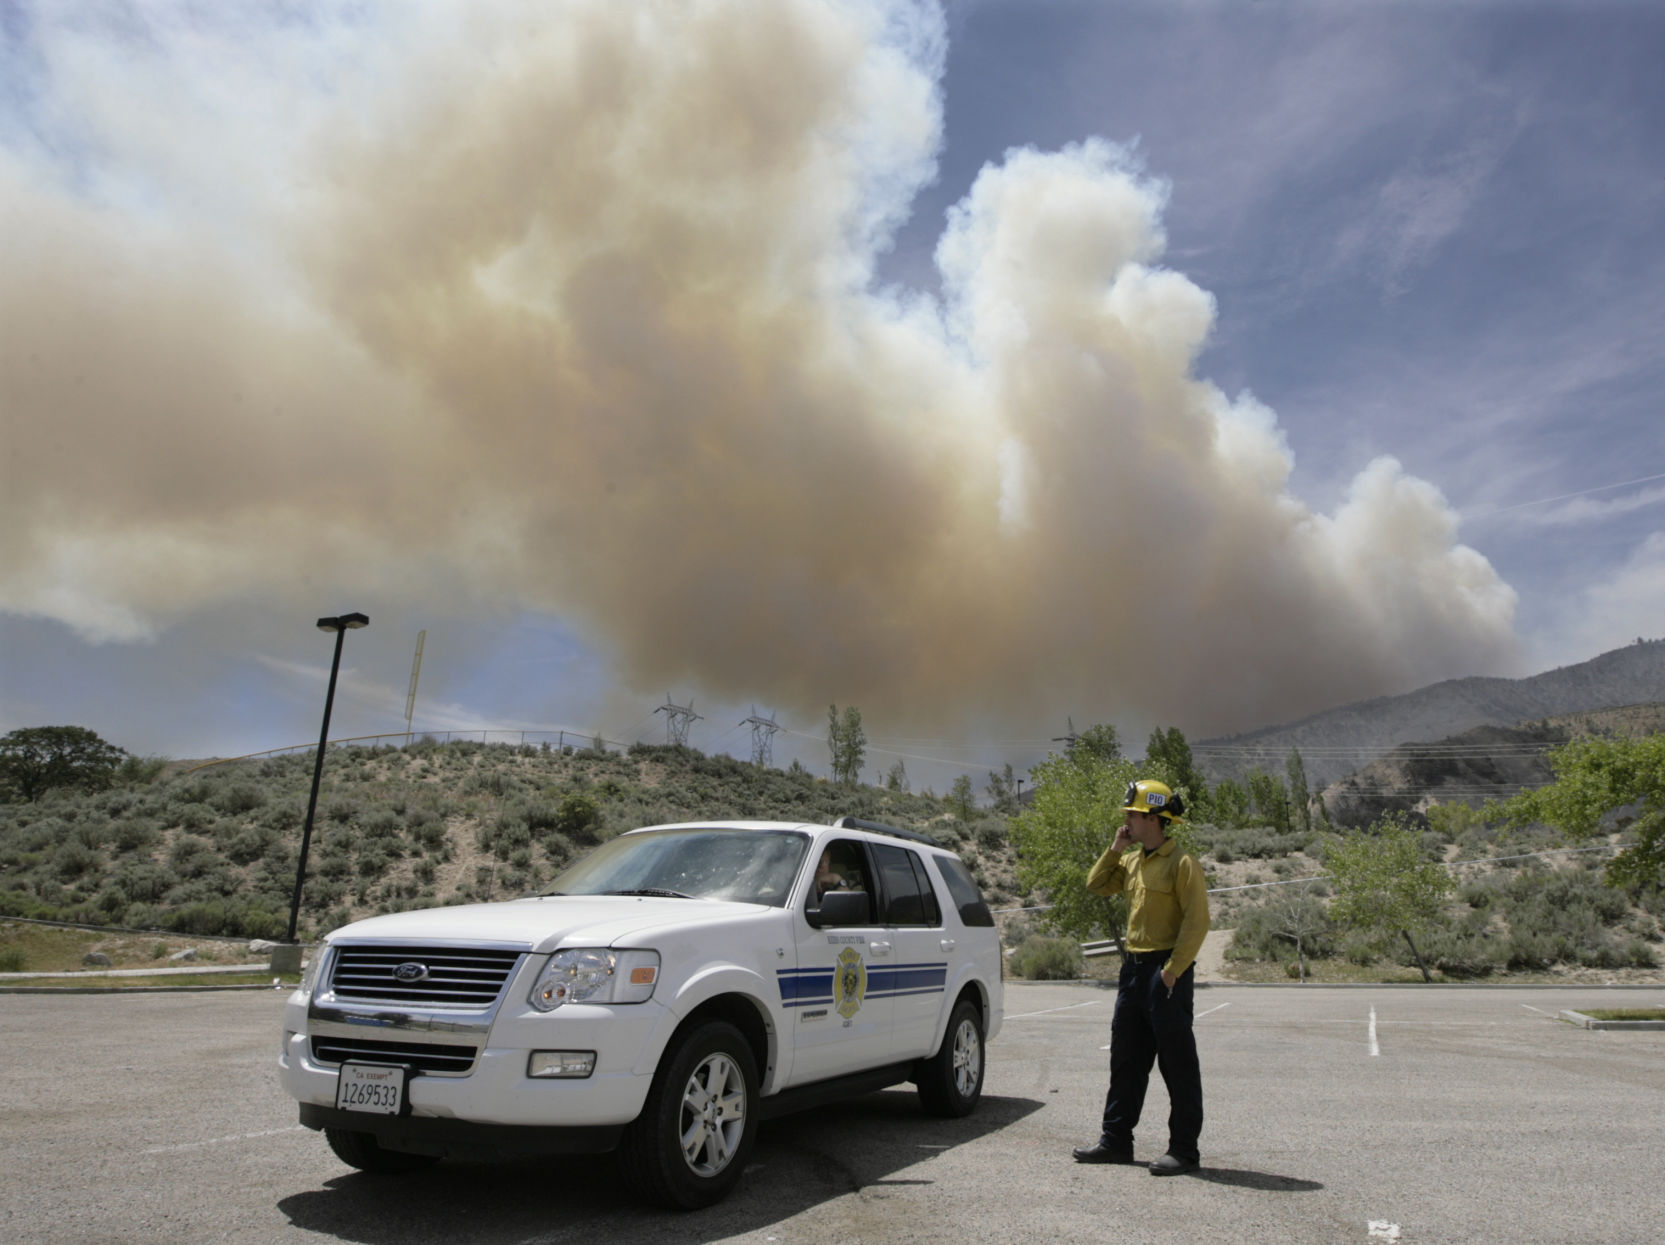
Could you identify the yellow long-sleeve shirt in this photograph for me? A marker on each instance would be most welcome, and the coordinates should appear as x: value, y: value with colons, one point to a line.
x: 1167, y: 899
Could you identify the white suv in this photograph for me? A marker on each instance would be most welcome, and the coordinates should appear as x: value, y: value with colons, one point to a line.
x: 675, y: 986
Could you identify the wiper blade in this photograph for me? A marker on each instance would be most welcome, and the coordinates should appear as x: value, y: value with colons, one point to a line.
x: 652, y: 890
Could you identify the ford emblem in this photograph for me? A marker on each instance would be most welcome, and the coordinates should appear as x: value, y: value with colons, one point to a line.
x: 410, y: 970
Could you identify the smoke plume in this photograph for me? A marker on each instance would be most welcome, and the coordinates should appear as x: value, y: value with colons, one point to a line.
x: 573, y: 309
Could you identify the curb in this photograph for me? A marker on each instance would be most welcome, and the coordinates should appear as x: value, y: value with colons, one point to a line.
x: 128, y: 989
x: 1590, y: 1022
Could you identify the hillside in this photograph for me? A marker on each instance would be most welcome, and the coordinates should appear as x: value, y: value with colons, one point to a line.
x: 1488, y: 762
x: 1337, y: 741
x: 214, y: 851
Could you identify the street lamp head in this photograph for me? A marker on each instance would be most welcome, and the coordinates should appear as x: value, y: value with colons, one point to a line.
x: 347, y: 622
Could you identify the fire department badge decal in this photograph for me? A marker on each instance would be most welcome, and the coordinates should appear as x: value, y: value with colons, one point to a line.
x: 849, y: 982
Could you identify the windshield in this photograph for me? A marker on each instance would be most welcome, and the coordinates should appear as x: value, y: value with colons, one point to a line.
x: 745, y: 866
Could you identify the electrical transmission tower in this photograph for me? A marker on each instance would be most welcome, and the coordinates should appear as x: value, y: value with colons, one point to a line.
x: 1069, y: 741
x: 763, y: 738
x: 678, y: 718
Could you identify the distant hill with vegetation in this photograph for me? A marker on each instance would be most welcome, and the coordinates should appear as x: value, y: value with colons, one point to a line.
x: 1486, y: 763
x: 214, y: 850
x: 1338, y: 741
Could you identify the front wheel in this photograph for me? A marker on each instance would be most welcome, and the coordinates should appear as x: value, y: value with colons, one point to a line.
x: 690, y: 1143
x: 363, y: 1151
x: 951, y: 1081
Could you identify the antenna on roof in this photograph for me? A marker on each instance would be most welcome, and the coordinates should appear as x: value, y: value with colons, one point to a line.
x: 763, y: 738
x: 677, y: 720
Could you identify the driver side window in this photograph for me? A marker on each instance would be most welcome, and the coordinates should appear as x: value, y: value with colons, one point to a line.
x: 842, y: 865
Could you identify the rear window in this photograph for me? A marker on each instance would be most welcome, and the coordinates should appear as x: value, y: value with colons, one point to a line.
x: 908, y: 896
x: 963, y: 891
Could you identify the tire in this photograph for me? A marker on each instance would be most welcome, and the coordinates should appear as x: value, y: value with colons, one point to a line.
x: 951, y: 1081
x: 363, y: 1151
x: 690, y: 1144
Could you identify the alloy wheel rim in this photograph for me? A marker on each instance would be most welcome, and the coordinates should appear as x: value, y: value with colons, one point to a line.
x: 968, y: 1058
x: 713, y: 1114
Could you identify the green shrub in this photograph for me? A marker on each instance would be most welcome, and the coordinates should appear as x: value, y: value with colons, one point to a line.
x: 238, y: 798
x: 12, y: 960
x: 1042, y: 958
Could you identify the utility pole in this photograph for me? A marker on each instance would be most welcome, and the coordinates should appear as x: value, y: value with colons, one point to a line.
x: 415, y: 669
x: 1069, y: 740
x: 763, y: 738
x: 677, y: 720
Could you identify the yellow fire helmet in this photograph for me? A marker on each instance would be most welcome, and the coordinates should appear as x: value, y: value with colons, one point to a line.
x: 1149, y: 796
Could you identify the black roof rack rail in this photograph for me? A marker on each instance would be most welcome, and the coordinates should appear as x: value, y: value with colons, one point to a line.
x: 879, y: 827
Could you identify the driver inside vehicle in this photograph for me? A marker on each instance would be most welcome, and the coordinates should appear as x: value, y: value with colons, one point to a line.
x: 827, y: 878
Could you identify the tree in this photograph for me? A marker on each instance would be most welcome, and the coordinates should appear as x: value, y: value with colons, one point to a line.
x: 1383, y: 882
x: 1594, y: 777
x: 1099, y: 743
x: 34, y: 759
x: 1059, y: 837
x: 897, y: 779
x: 1003, y: 790
x: 1171, y: 749
x: 1300, y: 799
x: 1300, y: 918
x: 847, y: 742
x: 1073, y: 817
x: 1228, y: 804
x: 1270, y: 799
x: 961, y: 799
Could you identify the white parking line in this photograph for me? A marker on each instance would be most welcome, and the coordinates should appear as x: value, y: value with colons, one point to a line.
x: 220, y: 1141
x: 1539, y: 1010
x: 1048, y: 1011
x: 1374, y: 1048
x: 1211, y: 1010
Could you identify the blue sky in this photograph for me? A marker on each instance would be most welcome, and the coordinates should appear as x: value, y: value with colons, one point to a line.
x: 1411, y: 252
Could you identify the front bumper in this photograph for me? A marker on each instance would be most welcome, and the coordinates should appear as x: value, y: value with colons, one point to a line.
x: 497, y: 1093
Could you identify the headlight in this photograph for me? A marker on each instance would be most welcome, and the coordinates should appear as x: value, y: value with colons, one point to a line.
x: 309, y: 971
x: 595, y: 975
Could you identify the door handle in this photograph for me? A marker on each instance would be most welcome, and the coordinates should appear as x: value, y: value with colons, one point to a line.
x: 947, y: 945
x: 879, y: 948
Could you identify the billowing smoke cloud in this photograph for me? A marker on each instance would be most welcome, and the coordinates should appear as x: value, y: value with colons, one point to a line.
x: 573, y: 309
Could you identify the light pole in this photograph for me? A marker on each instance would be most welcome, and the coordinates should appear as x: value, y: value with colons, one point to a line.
x: 341, y: 626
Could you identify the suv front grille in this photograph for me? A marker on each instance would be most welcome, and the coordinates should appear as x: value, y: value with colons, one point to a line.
x: 420, y: 1056
x: 451, y: 976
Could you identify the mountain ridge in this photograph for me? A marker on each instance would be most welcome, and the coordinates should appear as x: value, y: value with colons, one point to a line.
x: 1335, y: 742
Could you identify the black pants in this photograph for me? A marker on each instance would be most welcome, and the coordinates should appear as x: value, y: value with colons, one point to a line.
x: 1153, y: 1025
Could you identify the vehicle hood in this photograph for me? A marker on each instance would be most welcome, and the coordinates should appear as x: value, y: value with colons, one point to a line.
x: 544, y: 923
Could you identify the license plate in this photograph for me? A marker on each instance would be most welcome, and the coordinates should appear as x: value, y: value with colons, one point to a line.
x: 376, y: 1088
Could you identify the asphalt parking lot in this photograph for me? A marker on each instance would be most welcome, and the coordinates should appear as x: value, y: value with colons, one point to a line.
x: 1334, y: 1115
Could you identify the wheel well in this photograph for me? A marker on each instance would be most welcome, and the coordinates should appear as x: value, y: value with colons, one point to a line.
x: 743, y: 1014
x: 972, y: 993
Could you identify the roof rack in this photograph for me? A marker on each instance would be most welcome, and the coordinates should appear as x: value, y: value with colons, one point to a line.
x: 879, y: 827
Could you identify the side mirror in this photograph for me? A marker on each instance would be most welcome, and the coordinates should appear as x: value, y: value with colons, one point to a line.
x: 840, y: 908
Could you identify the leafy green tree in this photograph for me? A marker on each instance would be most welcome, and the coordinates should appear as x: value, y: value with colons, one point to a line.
x: 1097, y: 743
x: 1593, y: 777
x: 1270, y: 799
x: 1384, y: 883
x: 1061, y: 835
x: 961, y: 798
x: 1169, y: 748
x: 847, y: 741
x: 34, y: 759
x: 1228, y: 804
x: 1300, y: 799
